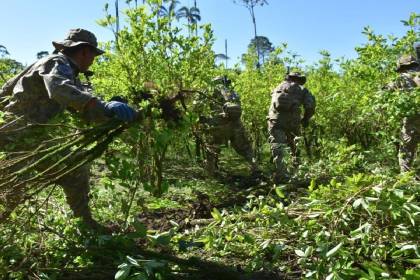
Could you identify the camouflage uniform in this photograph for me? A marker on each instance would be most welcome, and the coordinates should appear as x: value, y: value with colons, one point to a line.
x: 408, y: 80
x: 39, y: 94
x: 225, y: 125
x: 284, y: 119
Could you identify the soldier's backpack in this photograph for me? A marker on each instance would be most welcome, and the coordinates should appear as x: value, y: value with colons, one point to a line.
x: 232, y: 111
x: 286, y: 96
x: 7, y: 89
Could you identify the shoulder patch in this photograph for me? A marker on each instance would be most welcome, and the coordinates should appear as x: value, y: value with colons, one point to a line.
x: 65, y: 70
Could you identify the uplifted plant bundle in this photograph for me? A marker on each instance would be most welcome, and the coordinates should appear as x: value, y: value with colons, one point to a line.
x: 26, y: 173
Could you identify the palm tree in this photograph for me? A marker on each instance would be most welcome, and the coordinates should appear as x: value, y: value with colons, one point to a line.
x: 191, y: 14
x: 117, y: 21
x: 170, y: 10
x: 222, y: 56
x: 3, y: 51
x: 196, y: 29
x: 250, y: 5
x: 264, y: 47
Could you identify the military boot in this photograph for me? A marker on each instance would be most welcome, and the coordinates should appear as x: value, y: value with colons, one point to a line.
x: 280, y: 178
x: 254, y: 170
x: 210, y: 164
x: 76, y: 188
x: 92, y: 225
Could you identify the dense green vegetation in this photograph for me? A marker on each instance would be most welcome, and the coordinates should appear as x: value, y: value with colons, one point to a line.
x: 347, y: 213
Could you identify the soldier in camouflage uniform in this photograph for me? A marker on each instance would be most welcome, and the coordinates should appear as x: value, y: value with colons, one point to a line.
x: 225, y: 125
x: 41, y: 93
x: 285, y: 120
x: 409, y: 80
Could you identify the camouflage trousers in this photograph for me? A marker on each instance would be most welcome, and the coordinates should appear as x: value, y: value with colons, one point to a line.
x: 75, y: 184
x: 279, y: 139
x: 222, y: 131
x: 410, y: 138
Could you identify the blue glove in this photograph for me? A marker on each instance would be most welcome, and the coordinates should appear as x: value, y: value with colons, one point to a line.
x: 120, y: 110
x: 234, y: 96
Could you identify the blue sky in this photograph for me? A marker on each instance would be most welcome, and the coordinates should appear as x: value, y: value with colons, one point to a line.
x: 308, y: 26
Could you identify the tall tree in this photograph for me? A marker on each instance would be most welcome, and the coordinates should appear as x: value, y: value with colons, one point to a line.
x: 250, y: 5
x: 8, y: 67
x: 3, y: 53
x: 196, y: 29
x: 117, y: 21
x: 223, y: 56
x: 263, y: 46
x: 191, y: 14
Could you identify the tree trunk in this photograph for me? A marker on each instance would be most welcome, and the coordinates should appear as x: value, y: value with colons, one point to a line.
x: 226, y: 54
x: 196, y: 23
x: 117, y: 23
x: 251, y: 10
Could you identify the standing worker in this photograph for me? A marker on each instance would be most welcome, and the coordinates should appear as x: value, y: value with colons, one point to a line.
x: 408, y: 82
x: 225, y: 125
x: 285, y: 120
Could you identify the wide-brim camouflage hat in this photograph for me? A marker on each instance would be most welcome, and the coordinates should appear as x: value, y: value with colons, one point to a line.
x: 77, y: 37
x: 405, y: 61
x: 221, y: 79
x: 296, y: 75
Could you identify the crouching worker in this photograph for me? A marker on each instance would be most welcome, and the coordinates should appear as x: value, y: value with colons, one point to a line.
x: 42, y: 92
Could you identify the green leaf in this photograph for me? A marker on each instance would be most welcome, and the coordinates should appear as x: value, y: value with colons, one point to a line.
x: 216, y: 215
x: 164, y: 239
x: 141, y: 229
x: 357, y: 202
x: 154, y: 264
x: 334, y: 250
x: 248, y: 238
x: 414, y: 207
x: 300, y: 253
x: 265, y: 244
x: 399, y: 193
x: 371, y: 274
x: 330, y: 276
x: 123, y: 272
x: 132, y: 261
x: 279, y: 192
x: 309, y: 251
x: 412, y: 274
x: 409, y: 247
x: 312, y: 185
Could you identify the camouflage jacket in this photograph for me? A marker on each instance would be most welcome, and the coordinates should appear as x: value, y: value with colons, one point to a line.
x: 406, y: 81
x: 48, y: 87
x: 408, y: 101
x: 286, y: 101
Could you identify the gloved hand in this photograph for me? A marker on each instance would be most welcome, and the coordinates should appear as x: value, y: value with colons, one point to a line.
x: 305, y: 122
x: 120, y: 110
